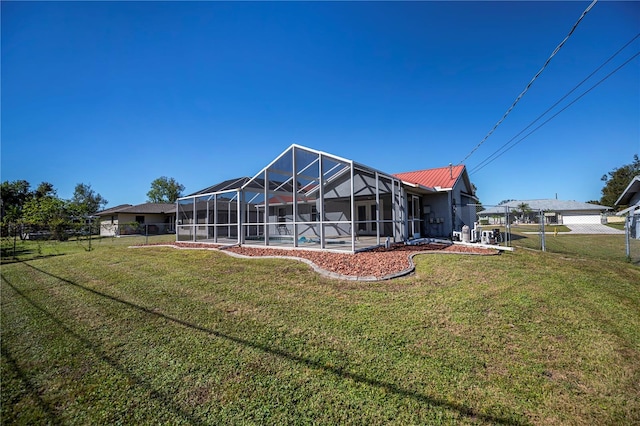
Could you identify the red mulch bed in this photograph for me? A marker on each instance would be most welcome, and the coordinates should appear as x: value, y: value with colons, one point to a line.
x: 379, y: 262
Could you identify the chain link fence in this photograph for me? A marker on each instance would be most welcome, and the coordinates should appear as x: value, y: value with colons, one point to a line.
x: 35, y: 232
x: 608, y: 237
x: 135, y: 228
x: 20, y: 238
x: 39, y: 240
x: 632, y: 237
x: 599, y: 236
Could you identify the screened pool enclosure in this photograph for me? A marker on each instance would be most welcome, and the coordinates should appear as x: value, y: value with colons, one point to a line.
x: 303, y: 199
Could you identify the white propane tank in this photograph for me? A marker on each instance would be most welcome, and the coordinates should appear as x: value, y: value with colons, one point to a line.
x: 466, y: 234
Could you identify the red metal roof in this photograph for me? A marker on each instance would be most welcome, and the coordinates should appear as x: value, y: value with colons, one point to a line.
x: 444, y: 177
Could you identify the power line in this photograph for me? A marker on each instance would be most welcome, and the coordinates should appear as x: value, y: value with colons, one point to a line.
x: 490, y: 157
x: 557, y: 113
x: 555, y: 51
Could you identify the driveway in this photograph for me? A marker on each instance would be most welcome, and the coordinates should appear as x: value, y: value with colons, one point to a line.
x: 593, y: 228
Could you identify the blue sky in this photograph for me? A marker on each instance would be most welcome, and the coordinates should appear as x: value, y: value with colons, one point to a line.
x: 116, y: 94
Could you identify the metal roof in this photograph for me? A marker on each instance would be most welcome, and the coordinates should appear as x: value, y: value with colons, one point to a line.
x: 629, y: 192
x: 239, y: 183
x: 548, y: 205
x: 146, y: 208
x: 223, y: 186
x: 439, y: 178
x: 113, y: 209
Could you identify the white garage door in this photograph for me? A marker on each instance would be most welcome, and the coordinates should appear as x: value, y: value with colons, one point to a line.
x: 576, y: 219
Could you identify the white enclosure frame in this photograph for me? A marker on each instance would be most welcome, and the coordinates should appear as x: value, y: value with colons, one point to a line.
x: 303, y: 199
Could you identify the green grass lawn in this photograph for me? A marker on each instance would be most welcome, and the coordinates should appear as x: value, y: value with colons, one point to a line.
x: 28, y: 250
x: 165, y: 336
x: 596, y: 246
x: 617, y: 225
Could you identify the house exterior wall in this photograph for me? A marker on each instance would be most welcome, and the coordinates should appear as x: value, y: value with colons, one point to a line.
x: 335, y: 210
x: 634, y: 220
x: 579, y: 217
x: 364, y: 184
x: 124, y: 224
x: 109, y: 226
x: 468, y: 214
x: 447, y: 211
x: 437, y: 215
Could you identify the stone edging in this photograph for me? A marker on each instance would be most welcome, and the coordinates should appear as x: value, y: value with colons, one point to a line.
x: 316, y: 268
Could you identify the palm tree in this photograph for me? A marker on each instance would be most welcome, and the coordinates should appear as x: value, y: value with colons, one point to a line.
x: 523, y: 208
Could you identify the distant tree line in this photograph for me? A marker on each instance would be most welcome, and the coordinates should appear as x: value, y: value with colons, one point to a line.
x: 22, y: 207
x: 42, y: 208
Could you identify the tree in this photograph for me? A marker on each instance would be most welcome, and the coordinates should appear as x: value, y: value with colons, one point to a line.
x: 165, y: 190
x: 478, y: 203
x: 50, y: 212
x: 45, y: 189
x: 13, y: 196
x: 85, y: 201
x: 618, y: 180
x: 43, y: 209
x: 523, y: 208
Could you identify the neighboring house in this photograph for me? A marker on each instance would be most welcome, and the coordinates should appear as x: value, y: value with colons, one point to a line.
x: 631, y: 197
x: 126, y: 219
x: 556, y: 212
x: 312, y: 199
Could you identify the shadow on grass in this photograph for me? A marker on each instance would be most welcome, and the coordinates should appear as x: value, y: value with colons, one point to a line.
x: 30, y: 387
x: 164, y: 398
x: 389, y: 387
x: 22, y: 254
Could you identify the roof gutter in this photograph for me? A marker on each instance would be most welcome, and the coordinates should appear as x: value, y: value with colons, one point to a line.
x: 418, y: 186
x: 630, y: 210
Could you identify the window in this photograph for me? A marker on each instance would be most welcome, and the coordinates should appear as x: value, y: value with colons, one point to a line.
x: 367, y: 217
x: 140, y: 219
x: 362, y: 218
